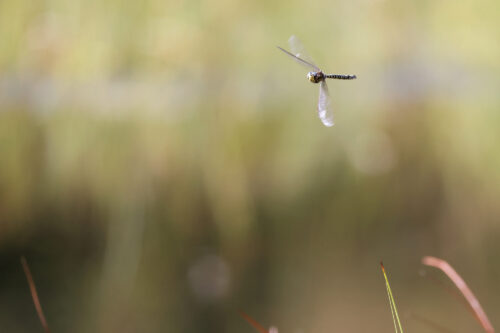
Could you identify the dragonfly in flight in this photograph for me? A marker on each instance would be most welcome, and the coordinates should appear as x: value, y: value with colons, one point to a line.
x: 315, y: 75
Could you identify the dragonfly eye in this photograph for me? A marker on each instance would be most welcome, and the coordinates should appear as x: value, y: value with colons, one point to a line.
x: 311, y: 77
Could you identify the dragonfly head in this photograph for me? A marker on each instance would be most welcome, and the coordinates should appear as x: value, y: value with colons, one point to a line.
x: 315, y: 77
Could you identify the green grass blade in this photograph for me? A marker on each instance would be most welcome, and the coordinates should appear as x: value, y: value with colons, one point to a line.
x: 392, y: 303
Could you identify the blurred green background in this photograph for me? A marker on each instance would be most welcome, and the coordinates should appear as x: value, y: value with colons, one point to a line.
x: 162, y: 164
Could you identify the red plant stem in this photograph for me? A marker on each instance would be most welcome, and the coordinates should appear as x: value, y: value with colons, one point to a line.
x: 454, y: 293
x: 464, y: 289
x: 34, y: 294
x: 254, y: 323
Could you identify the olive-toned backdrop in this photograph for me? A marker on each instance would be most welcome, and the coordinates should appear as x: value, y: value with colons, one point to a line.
x: 162, y: 165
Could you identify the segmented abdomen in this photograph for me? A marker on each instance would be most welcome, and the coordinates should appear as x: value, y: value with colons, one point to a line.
x: 341, y: 77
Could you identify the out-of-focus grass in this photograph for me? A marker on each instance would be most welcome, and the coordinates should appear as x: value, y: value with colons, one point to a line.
x: 161, y: 163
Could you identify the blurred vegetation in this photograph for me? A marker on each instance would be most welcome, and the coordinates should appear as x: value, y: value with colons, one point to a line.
x: 162, y: 165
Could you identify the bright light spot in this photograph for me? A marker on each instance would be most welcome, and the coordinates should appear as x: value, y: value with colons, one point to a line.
x: 209, y: 278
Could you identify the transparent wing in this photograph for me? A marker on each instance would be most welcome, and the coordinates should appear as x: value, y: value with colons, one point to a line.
x: 299, y: 60
x: 325, y: 111
x: 300, y: 52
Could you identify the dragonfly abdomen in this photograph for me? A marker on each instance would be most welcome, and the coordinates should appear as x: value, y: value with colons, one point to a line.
x: 340, y: 76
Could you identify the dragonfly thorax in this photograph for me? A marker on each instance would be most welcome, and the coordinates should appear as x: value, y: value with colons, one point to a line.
x: 316, y: 77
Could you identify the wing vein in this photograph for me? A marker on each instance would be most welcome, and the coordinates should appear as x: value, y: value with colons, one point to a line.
x: 299, y: 59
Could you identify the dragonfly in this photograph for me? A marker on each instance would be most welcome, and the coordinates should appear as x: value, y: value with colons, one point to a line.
x: 316, y: 75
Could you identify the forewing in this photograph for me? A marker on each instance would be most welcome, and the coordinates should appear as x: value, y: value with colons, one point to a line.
x: 299, y: 60
x: 325, y: 111
x: 300, y: 52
